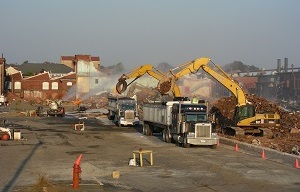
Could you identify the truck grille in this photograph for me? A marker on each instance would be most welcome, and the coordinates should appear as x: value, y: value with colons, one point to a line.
x: 129, y: 115
x: 203, y: 130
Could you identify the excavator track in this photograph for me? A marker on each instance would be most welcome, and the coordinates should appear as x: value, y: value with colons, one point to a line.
x: 266, y: 132
x: 234, y: 131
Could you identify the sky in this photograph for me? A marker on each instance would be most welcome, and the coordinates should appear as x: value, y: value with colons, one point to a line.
x: 138, y: 32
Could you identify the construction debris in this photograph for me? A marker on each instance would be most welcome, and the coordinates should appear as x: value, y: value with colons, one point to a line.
x: 284, y: 138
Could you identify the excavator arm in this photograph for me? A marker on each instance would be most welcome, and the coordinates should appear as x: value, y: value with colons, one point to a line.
x: 202, y: 63
x: 164, y: 83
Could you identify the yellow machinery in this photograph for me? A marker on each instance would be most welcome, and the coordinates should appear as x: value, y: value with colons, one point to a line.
x: 165, y: 83
x: 245, y: 117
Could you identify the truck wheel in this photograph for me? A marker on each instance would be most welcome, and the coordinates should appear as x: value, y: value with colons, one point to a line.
x: 146, y: 126
x: 164, y: 136
x: 185, y: 143
x: 149, y: 131
x: 144, y: 129
x: 213, y: 146
x: 168, y: 136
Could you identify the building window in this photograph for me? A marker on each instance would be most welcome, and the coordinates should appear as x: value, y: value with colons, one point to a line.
x: 69, y: 83
x: 17, y: 85
x: 96, y: 81
x: 45, y: 86
x: 54, y: 86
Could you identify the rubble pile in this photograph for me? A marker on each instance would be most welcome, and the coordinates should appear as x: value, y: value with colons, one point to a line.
x: 286, y: 138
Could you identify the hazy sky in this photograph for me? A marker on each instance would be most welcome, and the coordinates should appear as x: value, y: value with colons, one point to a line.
x: 136, y: 32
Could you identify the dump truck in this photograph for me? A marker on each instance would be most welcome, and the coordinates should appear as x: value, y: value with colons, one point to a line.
x: 123, y: 111
x: 180, y: 121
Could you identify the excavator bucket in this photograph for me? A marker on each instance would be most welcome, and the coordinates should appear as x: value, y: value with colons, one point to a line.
x: 121, y: 86
x: 164, y: 87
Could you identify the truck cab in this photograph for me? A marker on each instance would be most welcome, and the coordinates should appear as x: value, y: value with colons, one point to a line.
x: 190, y: 125
x: 123, y: 111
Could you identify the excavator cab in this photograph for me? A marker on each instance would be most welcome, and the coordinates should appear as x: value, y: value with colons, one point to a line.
x: 243, y: 112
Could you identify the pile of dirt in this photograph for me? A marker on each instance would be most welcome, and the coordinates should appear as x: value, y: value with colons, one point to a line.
x: 285, y: 138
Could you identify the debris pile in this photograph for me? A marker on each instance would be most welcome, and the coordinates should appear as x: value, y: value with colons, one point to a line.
x: 286, y: 138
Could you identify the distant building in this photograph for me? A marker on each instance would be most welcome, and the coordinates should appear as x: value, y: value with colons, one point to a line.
x: 40, y: 80
x: 70, y: 61
x: 41, y: 85
x: 282, y: 83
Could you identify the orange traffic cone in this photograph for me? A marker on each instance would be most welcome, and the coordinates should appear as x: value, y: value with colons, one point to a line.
x: 218, y: 144
x: 77, y: 162
x: 263, y: 154
x: 297, y: 164
x: 236, y: 147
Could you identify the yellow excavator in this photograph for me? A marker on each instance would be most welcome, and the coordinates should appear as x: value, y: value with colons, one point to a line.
x: 165, y: 83
x: 246, y: 120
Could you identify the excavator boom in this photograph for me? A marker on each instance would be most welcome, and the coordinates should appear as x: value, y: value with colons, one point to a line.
x: 140, y: 71
x: 202, y: 63
x: 164, y: 83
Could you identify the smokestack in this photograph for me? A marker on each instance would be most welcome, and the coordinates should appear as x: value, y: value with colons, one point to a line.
x: 286, y: 64
x: 278, y: 65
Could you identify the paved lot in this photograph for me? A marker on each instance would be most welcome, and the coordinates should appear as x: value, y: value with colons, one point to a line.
x: 50, y: 148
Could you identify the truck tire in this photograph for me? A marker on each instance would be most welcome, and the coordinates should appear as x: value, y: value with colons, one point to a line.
x: 164, y: 134
x: 148, y: 130
x: 144, y: 129
x: 213, y: 146
x: 168, y: 136
x: 185, y: 143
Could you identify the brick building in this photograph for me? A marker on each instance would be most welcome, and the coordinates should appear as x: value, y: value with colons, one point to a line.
x: 42, y: 85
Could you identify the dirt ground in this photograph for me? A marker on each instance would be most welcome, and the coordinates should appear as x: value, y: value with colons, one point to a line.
x: 43, y: 160
x: 282, y: 139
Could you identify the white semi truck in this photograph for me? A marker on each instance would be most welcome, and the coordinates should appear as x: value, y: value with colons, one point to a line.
x: 183, y: 122
x: 123, y: 111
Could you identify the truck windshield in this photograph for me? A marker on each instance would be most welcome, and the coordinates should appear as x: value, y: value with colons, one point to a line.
x: 195, y: 118
x: 127, y: 107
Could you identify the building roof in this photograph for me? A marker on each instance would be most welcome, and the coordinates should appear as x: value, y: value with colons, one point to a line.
x: 49, y: 67
x: 41, y: 76
x: 93, y: 58
x: 71, y: 75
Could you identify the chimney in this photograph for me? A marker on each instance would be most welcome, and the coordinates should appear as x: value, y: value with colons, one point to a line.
x: 286, y: 65
x: 278, y: 65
